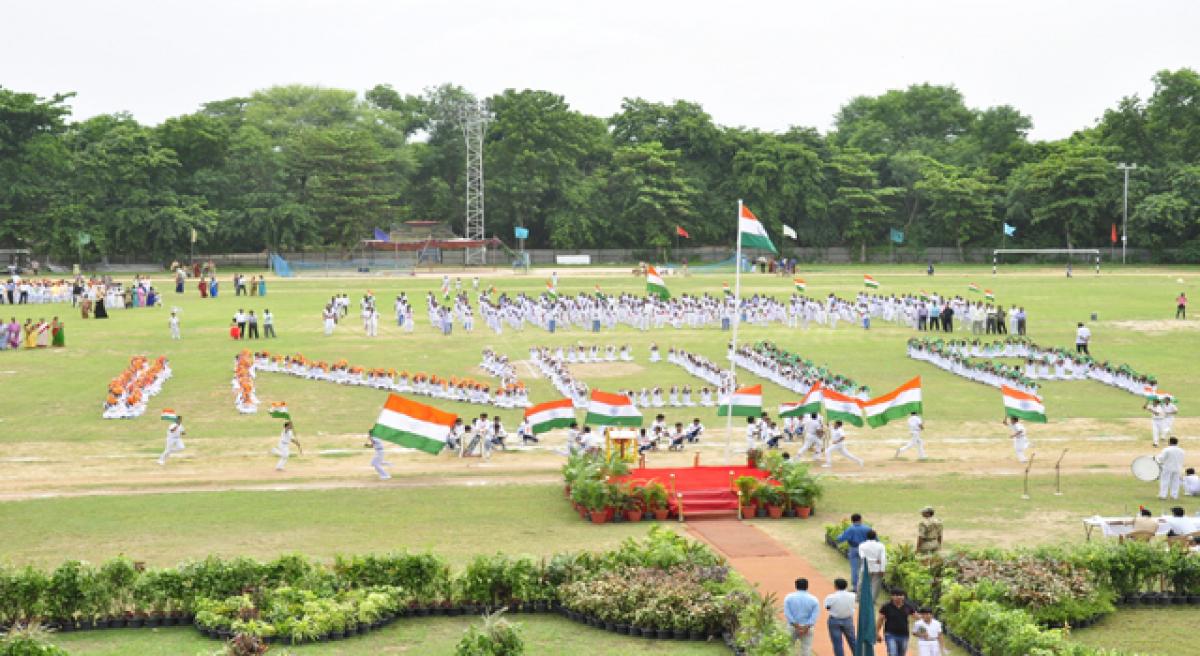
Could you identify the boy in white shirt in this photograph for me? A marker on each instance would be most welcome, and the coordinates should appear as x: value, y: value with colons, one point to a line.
x: 1191, y: 483
x: 915, y: 427
x: 928, y: 632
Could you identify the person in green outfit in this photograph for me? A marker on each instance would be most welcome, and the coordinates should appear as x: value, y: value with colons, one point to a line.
x: 57, y: 334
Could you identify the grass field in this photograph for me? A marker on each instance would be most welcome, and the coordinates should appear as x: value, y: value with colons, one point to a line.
x: 75, y: 485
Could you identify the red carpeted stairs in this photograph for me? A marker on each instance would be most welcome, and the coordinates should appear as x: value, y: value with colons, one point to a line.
x: 699, y: 504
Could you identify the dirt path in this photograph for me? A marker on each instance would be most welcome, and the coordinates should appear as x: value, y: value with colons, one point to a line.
x: 767, y: 564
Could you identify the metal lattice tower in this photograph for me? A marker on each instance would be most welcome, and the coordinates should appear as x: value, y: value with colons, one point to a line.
x: 473, y: 120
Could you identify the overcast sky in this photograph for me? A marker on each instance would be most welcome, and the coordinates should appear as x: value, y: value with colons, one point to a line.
x: 758, y: 64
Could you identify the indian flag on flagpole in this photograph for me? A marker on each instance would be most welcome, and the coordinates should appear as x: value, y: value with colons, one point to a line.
x: 1023, y: 405
x: 414, y: 425
x: 800, y: 284
x: 169, y: 415
x: 811, y: 403
x: 973, y: 288
x: 548, y: 416
x: 551, y: 290
x: 746, y: 402
x: 923, y: 294
x: 752, y: 232
x: 870, y: 282
x: 839, y: 406
x: 606, y: 409
x: 655, y: 284
x: 896, y: 404
x: 987, y: 294
x: 279, y: 410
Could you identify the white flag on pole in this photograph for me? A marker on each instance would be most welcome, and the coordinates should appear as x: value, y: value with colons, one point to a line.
x: 788, y: 231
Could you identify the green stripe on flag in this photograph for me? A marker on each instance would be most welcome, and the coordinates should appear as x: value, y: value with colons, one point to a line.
x: 658, y: 290
x: 739, y: 410
x: 561, y: 422
x: 802, y: 410
x: 757, y: 241
x: 609, y: 420
x: 894, y: 412
x: 845, y: 417
x: 410, y: 440
x: 281, y: 414
x: 1035, y: 417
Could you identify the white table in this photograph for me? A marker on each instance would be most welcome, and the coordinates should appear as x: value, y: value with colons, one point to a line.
x: 1117, y: 526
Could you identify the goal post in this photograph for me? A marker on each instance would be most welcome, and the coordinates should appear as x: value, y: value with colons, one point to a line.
x: 1088, y: 253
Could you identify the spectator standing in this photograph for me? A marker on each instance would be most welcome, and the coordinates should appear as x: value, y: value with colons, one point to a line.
x: 893, y: 625
x: 840, y: 606
x: 929, y: 532
x: 854, y: 535
x: 1082, y: 337
x: 1181, y: 306
x: 802, y: 611
x: 874, y: 553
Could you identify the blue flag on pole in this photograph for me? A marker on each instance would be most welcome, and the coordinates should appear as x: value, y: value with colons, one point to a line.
x: 897, y: 236
x: 521, y: 233
x: 1009, y: 231
x: 381, y: 235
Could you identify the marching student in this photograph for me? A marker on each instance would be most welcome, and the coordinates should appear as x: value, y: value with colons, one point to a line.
x: 837, y: 442
x: 1157, y: 416
x: 175, y: 433
x: 1020, y: 439
x: 283, y: 450
x: 915, y: 427
x: 377, y: 460
x: 812, y: 436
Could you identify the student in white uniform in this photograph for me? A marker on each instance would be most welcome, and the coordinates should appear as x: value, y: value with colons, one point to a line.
x: 928, y: 632
x: 1019, y: 438
x: 377, y: 461
x: 837, y: 442
x: 1171, y: 478
x: 812, y: 436
x: 752, y: 431
x: 1169, y: 412
x: 1191, y: 483
x: 915, y: 427
x: 175, y: 433
x: 173, y: 322
x: 1157, y: 415
x: 283, y: 450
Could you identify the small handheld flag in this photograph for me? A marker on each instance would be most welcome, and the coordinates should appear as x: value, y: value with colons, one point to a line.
x: 988, y: 295
x: 169, y: 415
x: 551, y: 291
x: 279, y: 410
x: 974, y: 288
x: 870, y: 282
x: 800, y: 284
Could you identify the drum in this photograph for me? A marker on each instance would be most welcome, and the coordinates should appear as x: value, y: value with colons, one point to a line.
x: 1145, y: 468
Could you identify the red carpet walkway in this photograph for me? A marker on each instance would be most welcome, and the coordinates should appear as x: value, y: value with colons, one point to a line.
x: 766, y: 563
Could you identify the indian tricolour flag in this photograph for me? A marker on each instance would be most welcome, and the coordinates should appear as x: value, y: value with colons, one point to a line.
x: 1023, y: 405
x: 606, y: 409
x: 800, y: 284
x: 280, y: 411
x: 839, y: 406
x: 745, y: 402
x: 870, y: 282
x: 1152, y: 393
x: 973, y: 288
x: 987, y: 294
x: 548, y: 416
x: 810, y: 404
x: 655, y: 284
x: 551, y: 290
x: 414, y: 425
x: 896, y: 404
x: 752, y: 232
x: 169, y: 415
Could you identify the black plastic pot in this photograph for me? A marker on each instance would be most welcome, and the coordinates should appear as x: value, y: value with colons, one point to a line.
x: 679, y: 634
x: 1179, y: 600
x: 637, y: 631
x: 664, y: 634
x: 1193, y: 599
x: 696, y: 635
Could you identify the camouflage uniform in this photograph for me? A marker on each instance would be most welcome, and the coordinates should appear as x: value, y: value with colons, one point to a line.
x: 929, y: 535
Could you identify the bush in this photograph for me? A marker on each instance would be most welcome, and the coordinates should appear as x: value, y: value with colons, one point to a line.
x: 497, y: 637
x: 30, y: 640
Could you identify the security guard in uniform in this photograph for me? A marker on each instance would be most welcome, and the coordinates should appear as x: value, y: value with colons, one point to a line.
x: 929, y: 532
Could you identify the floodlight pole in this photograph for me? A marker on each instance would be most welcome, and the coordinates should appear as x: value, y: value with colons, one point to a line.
x: 1125, y: 168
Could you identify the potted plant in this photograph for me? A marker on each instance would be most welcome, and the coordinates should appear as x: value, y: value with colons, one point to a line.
x: 753, y: 456
x: 773, y: 498
x: 634, y: 503
x: 746, y: 486
x: 655, y: 497
x: 593, y: 495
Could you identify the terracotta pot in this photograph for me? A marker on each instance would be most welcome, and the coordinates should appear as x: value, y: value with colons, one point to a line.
x: 775, y: 512
x: 633, y: 515
x: 749, y: 510
x: 803, y: 511
x: 661, y: 513
x: 599, y: 516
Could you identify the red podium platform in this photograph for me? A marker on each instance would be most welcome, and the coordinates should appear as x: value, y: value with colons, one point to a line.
x: 703, y: 490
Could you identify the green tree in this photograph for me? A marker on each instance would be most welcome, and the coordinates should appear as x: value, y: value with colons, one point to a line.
x: 650, y: 196
x: 858, y: 204
x: 33, y: 162
x: 1065, y: 197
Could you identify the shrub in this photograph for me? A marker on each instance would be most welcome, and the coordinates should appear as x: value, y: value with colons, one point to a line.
x: 497, y: 637
x: 29, y: 640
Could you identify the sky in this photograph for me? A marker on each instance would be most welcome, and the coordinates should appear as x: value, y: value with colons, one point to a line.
x: 766, y: 65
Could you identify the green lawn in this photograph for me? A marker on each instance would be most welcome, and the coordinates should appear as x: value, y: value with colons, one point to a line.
x: 1166, y: 631
x: 543, y: 634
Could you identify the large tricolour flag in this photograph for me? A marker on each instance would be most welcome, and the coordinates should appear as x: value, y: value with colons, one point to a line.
x: 896, y: 404
x: 746, y: 402
x: 753, y: 234
x: 548, y: 416
x: 800, y: 284
x: 606, y: 409
x: 1023, y: 405
x: 870, y: 282
x: 414, y: 425
x: 810, y: 404
x: 655, y: 284
x: 839, y: 406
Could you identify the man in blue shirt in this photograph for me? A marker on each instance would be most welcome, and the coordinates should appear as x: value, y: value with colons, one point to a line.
x: 801, y: 610
x: 854, y: 535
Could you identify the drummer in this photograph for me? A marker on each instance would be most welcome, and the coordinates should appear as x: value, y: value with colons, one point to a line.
x: 1171, y: 478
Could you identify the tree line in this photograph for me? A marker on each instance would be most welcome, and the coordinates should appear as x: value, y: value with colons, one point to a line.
x: 302, y: 167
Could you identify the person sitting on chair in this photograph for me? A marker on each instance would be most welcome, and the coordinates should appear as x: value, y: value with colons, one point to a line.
x: 1179, y: 523
x: 1144, y: 524
x: 1191, y: 483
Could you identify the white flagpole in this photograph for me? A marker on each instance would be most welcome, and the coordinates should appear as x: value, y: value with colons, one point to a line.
x: 737, y: 301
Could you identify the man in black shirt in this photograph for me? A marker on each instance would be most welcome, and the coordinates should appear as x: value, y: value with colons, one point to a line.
x: 893, y: 625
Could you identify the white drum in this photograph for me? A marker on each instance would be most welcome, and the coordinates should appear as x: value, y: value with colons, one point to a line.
x: 1146, y: 468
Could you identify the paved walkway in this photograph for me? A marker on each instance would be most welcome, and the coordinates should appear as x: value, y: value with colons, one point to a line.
x: 767, y: 564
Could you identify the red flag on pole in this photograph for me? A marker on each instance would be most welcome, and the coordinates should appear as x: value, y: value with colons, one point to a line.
x: 682, y: 233
x: 1114, y: 233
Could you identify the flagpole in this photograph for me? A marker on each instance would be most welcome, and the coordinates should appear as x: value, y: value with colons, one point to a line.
x: 737, y: 301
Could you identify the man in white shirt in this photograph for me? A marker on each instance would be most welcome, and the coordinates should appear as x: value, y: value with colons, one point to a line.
x: 1169, y: 412
x: 1020, y: 439
x: 837, y: 442
x: 173, y: 322
x: 175, y: 433
x: 1082, y: 337
x: 286, y: 438
x: 915, y: 426
x: 752, y: 430
x: 840, y: 607
x: 874, y: 554
x: 1179, y: 523
x: 812, y: 436
x: 1157, y: 415
x: 1191, y: 483
x: 1171, y: 478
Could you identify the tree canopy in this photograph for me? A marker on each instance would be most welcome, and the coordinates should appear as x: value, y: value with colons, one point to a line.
x: 302, y: 167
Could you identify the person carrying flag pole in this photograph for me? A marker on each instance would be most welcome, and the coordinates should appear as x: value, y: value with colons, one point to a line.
x: 283, y: 450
